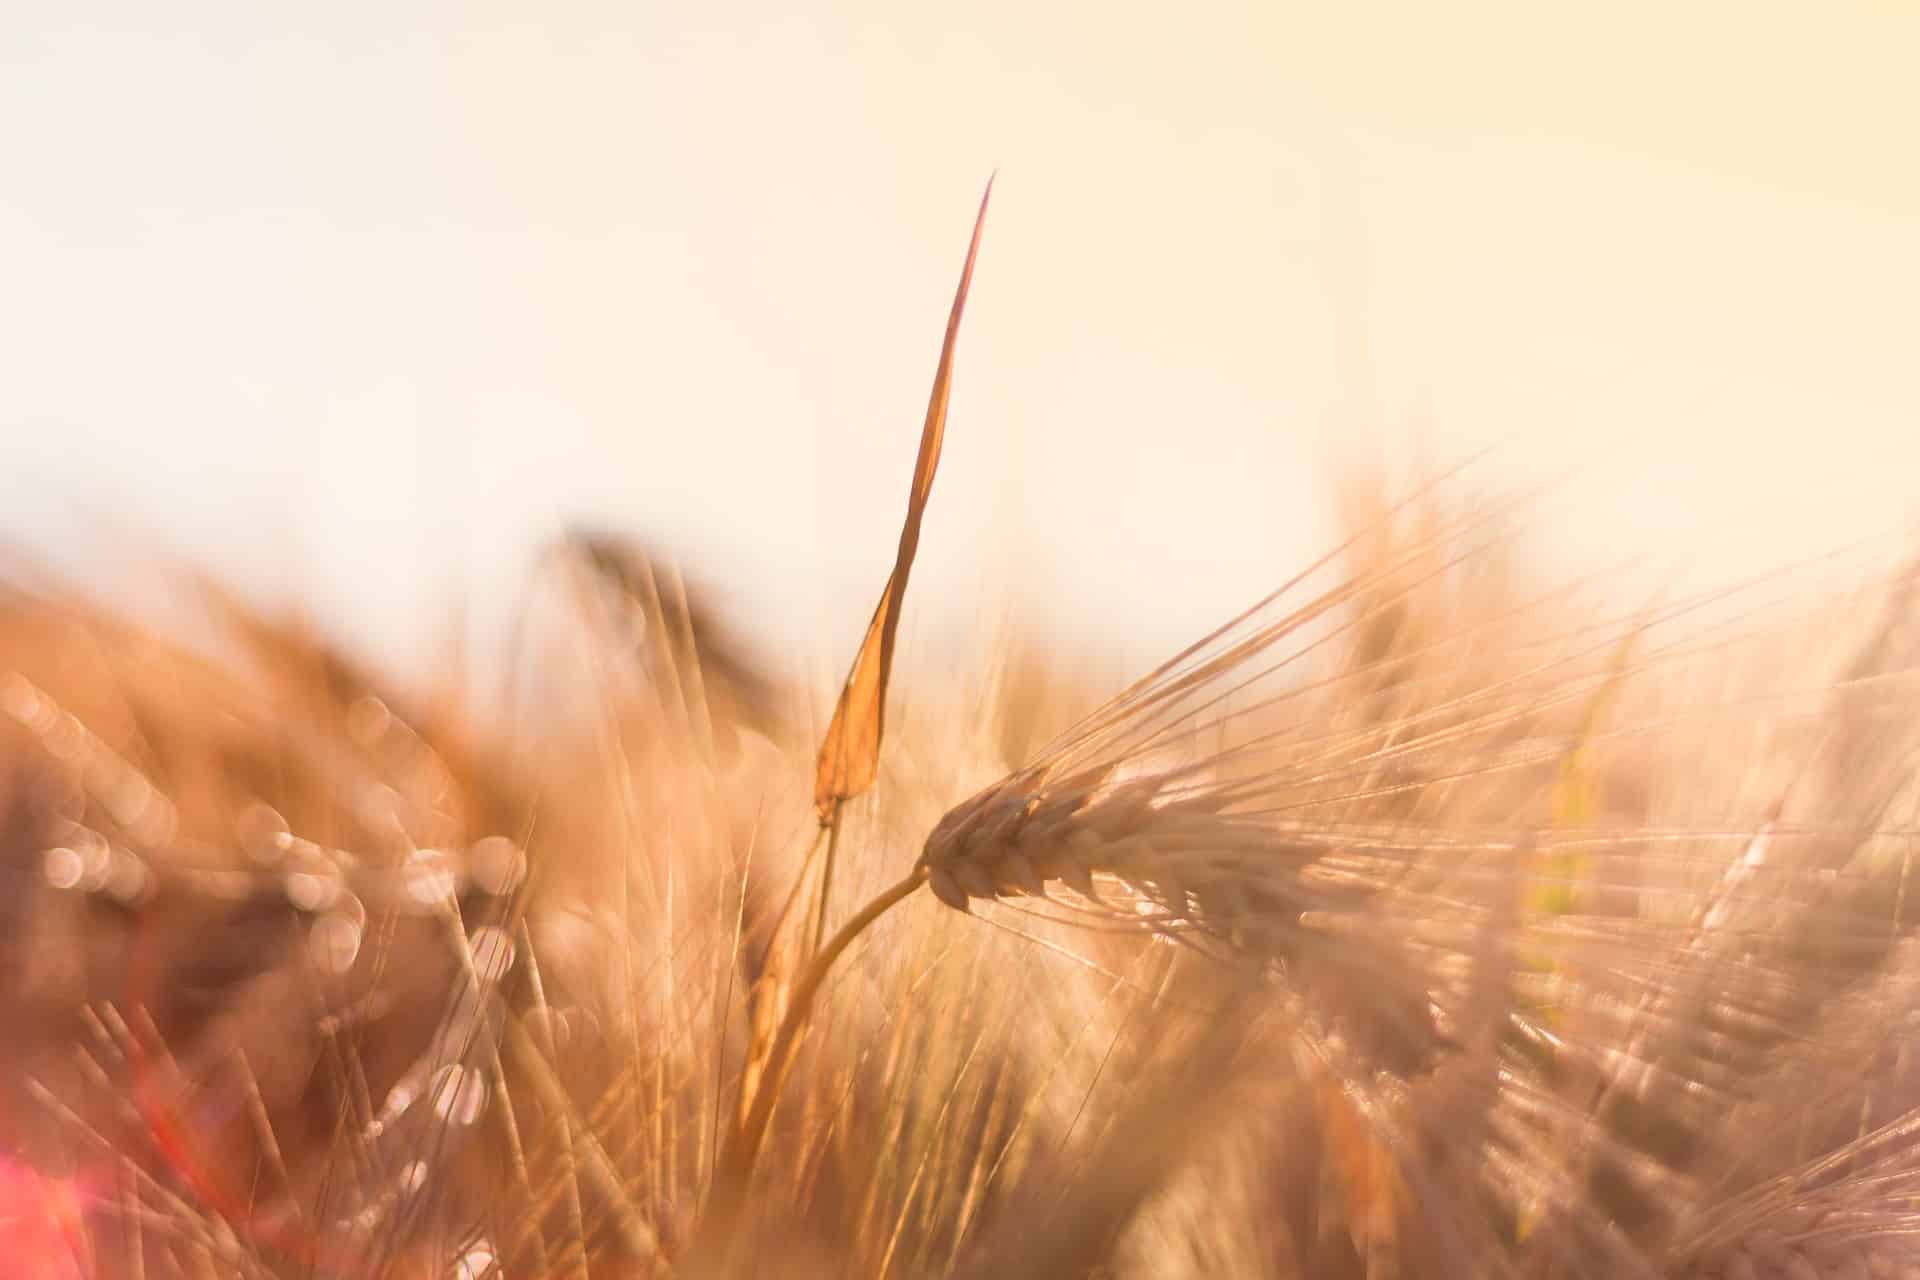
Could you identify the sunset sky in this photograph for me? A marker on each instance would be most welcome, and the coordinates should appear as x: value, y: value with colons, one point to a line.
x: 363, y: 306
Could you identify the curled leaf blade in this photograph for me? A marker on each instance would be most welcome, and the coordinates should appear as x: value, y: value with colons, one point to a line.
x: 850, y: 752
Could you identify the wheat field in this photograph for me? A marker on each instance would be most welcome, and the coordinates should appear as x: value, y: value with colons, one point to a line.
x: 1442, y: 914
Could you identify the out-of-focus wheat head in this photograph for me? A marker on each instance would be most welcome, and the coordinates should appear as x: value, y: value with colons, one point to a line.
x: 299, y: 967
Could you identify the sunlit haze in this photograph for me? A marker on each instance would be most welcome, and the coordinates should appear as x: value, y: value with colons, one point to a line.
x: 361, y: 308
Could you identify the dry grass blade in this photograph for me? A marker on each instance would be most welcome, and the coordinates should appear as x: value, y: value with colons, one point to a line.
x: 850, y: 752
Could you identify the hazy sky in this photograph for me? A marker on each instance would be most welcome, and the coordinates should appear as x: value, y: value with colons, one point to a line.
x: 364, y: 303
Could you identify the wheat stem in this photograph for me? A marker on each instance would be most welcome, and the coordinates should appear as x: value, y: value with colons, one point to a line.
x: 826, y: 876
x: 743, y: 1149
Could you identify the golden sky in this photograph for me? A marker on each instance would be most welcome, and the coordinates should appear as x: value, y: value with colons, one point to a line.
x: 372, y: 301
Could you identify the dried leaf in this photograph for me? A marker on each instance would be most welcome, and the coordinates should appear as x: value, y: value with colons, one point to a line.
x: 850, y: 753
